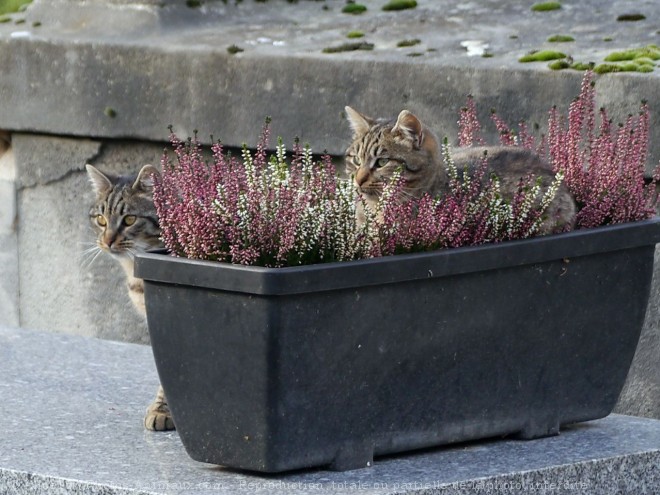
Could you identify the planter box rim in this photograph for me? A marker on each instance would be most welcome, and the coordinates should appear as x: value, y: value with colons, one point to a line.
x: 394, y: 269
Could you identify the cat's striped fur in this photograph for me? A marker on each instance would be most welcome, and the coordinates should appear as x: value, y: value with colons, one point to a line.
x: 381, y: 146
x: 125, y: 219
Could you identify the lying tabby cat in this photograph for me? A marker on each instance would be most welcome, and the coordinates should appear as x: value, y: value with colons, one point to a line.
x: 125, y: 219
x: 381, y: 146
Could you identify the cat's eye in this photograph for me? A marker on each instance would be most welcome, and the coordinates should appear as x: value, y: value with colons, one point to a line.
x: 129, y: 220
x: 356, y: 160
x: 101, y: 221
x: 382, y: 162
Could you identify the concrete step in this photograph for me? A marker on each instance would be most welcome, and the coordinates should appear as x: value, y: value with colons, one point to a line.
x: 71, y: 411
x: 120, y: 68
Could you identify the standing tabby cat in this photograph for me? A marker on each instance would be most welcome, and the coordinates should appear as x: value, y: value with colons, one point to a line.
x: 125, y: 219
x: 381, y: 146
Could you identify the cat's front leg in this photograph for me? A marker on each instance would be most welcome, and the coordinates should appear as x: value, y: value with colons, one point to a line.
x: 159, y: 417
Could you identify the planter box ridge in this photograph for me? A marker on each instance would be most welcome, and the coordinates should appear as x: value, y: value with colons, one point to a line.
x: 274, y: 369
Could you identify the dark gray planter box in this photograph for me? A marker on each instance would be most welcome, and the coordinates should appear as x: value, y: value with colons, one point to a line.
x: 279, y: 369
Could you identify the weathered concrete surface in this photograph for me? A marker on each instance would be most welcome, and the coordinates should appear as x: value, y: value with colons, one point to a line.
x: 160, y: 63
x: 72, y: 423
x: 9, y: 292
x: 641, y: 393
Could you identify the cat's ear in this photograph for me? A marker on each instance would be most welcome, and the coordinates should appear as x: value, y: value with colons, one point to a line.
x: 145, y: 179
x: 359, y: 123
x: 410, y: 127
x: 100, y: 182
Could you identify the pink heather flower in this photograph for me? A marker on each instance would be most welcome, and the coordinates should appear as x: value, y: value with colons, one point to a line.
x: 268, y: 210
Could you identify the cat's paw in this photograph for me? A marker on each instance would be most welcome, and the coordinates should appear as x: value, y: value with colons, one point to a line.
x: 158, y: 417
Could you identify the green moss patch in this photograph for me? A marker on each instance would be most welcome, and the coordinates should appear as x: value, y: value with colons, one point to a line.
x: 11, y: 6
x: 642, y: 59
x: 631, y: 17
x: 355, y: 34
x: 622, y: 67
x: 651, y: 52
x: 560, y: 38
x: 400, y: 5
x: 349, y: 47
x: 546, y: 6
x: 354, y: 8
x: 110, y: 112
x: 542, y: 56
x: 405, y: 43
x: 233, y: 49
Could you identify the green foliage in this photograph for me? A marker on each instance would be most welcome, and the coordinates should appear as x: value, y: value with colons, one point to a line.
x: 400, y: 5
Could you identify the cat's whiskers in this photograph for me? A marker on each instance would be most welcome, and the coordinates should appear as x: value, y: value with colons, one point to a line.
x: 88, y: 256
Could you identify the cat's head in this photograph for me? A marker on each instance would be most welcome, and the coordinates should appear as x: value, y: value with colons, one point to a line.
x: 380, y: 147
x: 123, y: 213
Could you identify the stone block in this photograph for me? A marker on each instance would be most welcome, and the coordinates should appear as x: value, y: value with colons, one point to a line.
x: 641, y: 393
x: 72, y: 414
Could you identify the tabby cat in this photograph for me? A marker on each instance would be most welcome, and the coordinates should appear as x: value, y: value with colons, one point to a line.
x: 381, y: 146
x: 125, y: 218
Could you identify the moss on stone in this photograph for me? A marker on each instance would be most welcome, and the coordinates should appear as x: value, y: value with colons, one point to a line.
x: 415, y: 54
x: 559, y: 65
x: 542, y: 56
x: 649, y: 52
x: 546, y: 6
x: 354, y: 8
x: 582, y: 66
x: 400, y: 5
x: 349, y: 47
x: 632, y: 66
x: 12, y: 6
x: 355, y: 34
x: 110, y: 112
x: 631, y: 17
x: 406, y: 43
x: 233, y: 49
x: 560, y: 38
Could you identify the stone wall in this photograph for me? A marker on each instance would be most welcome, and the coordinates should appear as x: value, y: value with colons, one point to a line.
x: 63, y: 288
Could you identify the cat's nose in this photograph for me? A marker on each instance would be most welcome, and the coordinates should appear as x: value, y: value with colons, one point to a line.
x: 109, y: 239
x: 361, y: 176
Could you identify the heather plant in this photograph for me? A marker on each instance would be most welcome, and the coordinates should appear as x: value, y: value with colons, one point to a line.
x: 472, y: 212
x: 260, y: 210
x: 603, y: 167
x: 281, y: 210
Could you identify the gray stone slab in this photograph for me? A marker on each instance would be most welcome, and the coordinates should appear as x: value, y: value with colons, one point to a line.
x: 71, y: 411
x: 117, y: 69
